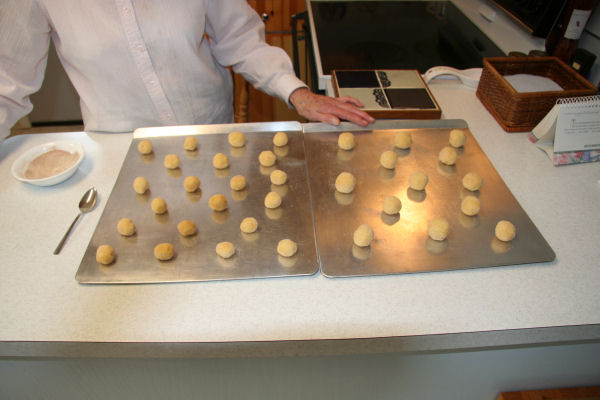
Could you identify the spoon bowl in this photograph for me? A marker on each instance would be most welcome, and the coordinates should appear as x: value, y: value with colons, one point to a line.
x: 86, y: 204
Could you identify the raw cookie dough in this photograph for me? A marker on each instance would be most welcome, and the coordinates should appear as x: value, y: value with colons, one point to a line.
x: 505, y: 231
x: 280, y: 139
x: 363, y: 235
x: 472, y: 181
x: 392, y: 205
x: 403, y: 140
x: 220, y: 161
x: 186, y: 227
x: 159, y: 205
x: 267, y: 158
x: 278, y: 177
x: 190, y: 143
x: 287, y: 247
x: 126, y: 227
x: 346, y: 141
x: 418, y: 180
x: 238, y: 182
x: 457, y: 138
x: 164, y: 251
x: 236, y: 139
x: 225, y: 249
x: 438, y: 228
x: 388, y: 159
x: 140, y: 185
x: 470, y: 206
x: 105, y: 254
x: 218, y: 202
x: 249, y: 225
x: 344, y: 183
x: 448, y: 155
x: 145, y: 147
x: 171, y: 161
x: 272, y: 200
x: 191, y: 184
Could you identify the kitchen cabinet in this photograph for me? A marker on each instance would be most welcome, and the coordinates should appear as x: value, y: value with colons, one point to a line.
x: 252, y: 105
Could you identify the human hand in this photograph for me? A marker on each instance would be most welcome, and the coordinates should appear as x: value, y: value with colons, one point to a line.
x: 327, y: 109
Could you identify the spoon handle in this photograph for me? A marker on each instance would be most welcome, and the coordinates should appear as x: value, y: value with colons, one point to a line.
x: 62, y: 241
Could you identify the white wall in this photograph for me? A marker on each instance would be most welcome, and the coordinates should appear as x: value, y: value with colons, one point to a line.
x: 450, y: 376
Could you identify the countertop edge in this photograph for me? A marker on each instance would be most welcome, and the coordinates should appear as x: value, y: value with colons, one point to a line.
x: 439, y: 343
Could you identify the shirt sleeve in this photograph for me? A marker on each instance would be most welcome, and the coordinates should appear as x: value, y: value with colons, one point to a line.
x: 24, y: 41
x: 237, y: 39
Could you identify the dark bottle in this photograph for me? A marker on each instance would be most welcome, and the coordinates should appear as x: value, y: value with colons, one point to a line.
x: 564, y: 37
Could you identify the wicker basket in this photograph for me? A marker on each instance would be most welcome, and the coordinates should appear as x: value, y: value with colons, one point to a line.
x: 519, y: 112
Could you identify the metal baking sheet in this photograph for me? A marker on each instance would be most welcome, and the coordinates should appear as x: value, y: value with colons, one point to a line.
x: 401, y: 244
x: 195, y: 257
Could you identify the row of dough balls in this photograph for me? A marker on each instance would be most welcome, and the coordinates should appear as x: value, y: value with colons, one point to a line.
x: 235, y: 139
x: 164, y: 251
x: 220, y: 160
x: 105, y: 254
x: 192, y: 183
x: 346, y: 181
x: 402, y: 140
x: 437, y: 229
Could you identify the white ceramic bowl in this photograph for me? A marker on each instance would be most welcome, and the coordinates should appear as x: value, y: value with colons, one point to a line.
x: 20, y: 165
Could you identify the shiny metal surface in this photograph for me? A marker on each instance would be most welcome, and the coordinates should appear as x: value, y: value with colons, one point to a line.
x: 401, y: 243
x: 195, y: 257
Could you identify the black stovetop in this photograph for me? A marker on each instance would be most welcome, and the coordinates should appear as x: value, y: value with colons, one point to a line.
x: 397, y: 35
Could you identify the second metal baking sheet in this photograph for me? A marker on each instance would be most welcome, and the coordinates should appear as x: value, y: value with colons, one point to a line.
x: 401, y: 243
x: 195, y: 258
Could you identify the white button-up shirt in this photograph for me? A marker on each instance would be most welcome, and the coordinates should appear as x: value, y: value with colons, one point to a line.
x: 138, y: 63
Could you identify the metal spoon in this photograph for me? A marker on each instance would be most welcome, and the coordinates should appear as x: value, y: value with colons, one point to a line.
x: 87, y: 203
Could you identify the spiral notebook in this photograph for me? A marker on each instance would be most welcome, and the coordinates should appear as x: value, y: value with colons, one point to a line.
x: 570, y: 132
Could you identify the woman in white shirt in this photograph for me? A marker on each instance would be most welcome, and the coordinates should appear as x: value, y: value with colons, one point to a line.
x: 149, y: 62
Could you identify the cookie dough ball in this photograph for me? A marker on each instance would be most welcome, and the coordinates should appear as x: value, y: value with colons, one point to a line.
x: 388, y: 159
x: 403, y: 140
x: 238, y: 182
x: 344, y: 183
x: 190, y: 143
x: 470, y: 205
x: 287, y: 248
x: 438, y: 228
x: 126, y: 227
x: 363, y: 235
x: 164, y: 251
x: 472, y: 181
x: 218, y: 202
x: 267, y: 158
x: 272, y: 200
x: 186, y: 228
x: 278, y: 177
x: 391, y: 205
x: 448, y: 155
x: 145, y: 147
x: 225, y: 249
x: 346, y: 141
x: 171, y: 161
x: 159, y: 205
x: 249, y: 225
x: 280, y: 139
x: 191, y: 184
x: 105, y: 254
x: 505, y: 231
x: 236, y: 139
x: 457, y: 138
x: 220, y: 161
x: 140, y: 185
x: 418, y: 180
